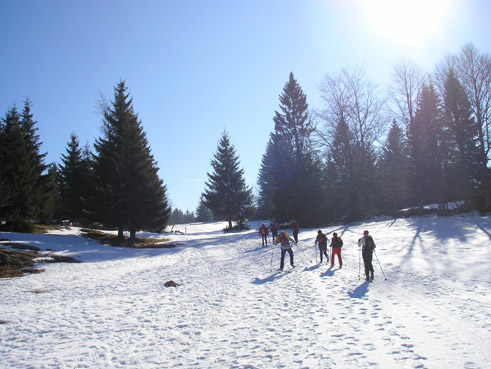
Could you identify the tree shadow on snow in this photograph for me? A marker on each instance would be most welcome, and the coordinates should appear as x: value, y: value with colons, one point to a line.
x: 359, y: 291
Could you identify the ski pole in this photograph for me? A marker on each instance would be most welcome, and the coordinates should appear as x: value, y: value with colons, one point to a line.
x: 315, y: 250
x: 359, y: 261
x: 271, y: 266
x: 379, y: 264
x: 301, y: 252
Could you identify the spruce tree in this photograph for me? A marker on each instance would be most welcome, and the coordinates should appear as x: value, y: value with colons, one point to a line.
x: 128, y: 192
x: 353, y: 123
x: 74, y: 180
x: 42, y: 195
x: 13, y: 185
x: 392, y: 168
x: 341, y: 172
x: 290, y: 173
x: 275, y: 179
x: 427, y: 152
x: 352, y: 188
x: 29, y: 186
x: 226, y: 193
x: 203, y: 214
x: 474, y: 71
x: 463, y: 133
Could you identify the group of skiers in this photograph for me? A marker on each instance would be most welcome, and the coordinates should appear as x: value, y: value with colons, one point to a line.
x: 366, y: 243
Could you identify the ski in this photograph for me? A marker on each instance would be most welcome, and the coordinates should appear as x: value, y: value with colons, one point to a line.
x: 289, y: 270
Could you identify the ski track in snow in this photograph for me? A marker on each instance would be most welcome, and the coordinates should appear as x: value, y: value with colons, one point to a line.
x: 233, y: 311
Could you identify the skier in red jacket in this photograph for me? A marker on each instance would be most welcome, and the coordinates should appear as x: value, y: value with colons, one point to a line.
x: 263, y: 232
x: 336, y: 245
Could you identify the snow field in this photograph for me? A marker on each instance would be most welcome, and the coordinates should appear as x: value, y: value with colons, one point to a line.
x: 113, y: 311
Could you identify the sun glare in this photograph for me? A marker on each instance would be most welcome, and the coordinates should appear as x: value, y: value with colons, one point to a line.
x: 407, y: 21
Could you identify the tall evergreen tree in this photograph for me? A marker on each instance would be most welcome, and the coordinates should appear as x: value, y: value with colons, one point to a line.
x: 74, y: 180
x: 292, y: 121
x: 275, y: 179
x: 392, y: 169
x: 226, y: 193
x: 290, y: 174
x: 29, y: 186
x: 463, y: 133
x: 353, y: 124
x: 43, y: 191
x: 128, y: 192
x: 427, y: 150
x: 474, y: 71
x: 340, y: 171
x: 13, y: 164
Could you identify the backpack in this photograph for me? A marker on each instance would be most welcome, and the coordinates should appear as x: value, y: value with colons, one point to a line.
x: 338, y: 242
x: 282, y: 238
x: 368, y: 244
x: 323, y: 240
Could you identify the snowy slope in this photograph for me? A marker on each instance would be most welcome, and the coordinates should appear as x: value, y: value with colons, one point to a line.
x: 231, y: 311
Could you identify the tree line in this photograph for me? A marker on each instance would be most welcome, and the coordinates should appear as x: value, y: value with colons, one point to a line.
x: 117, y: 185
x: 365, y: 151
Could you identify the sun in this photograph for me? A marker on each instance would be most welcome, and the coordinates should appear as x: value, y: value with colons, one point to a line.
x: 406, y: 21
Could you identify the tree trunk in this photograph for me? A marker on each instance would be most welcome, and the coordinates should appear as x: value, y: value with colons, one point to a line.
x: 120, y: 234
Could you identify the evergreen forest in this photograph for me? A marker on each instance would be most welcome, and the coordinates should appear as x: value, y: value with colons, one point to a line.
x: 367, y: 150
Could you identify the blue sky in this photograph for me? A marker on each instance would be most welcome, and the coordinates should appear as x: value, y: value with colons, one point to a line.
x: 197, y: 68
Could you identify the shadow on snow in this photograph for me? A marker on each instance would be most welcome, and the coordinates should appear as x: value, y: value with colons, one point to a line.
x: 359, y: 291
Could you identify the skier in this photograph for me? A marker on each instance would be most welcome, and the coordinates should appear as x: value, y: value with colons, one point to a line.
x: 368, y: 245
x: 295, y: 230
x: 274, y: 229
x: 284, y: 240
x: 263, y: 232
x: 322, y: 240
x: 336, y: 244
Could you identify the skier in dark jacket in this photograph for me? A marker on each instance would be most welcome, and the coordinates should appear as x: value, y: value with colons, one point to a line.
x: 336, y: 245
x: 367, y: 246
x: 274, y: 229
x: 322, y: 241
x: 295, y: 230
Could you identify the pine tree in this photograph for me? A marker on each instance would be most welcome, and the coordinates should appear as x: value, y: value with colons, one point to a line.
x: 74, y: 180
x: 341, y: 171
x: 128, y: 192
x: 28, y: 190
x: 226, y: 193
x: 392, y: 168
x: 293, y: 120
x: 474, y: 71
x: 203, y: 214
x: 11, y: 152
x: 351, y: 175
x: 353, y: 124
x: 463, y: 141
x: 42, y: 194
x: 275, y: 179
x: 427, y: 152
x: 290, y: 174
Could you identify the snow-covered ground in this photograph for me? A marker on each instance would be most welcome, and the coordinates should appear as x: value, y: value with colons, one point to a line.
x: 231, y: 311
